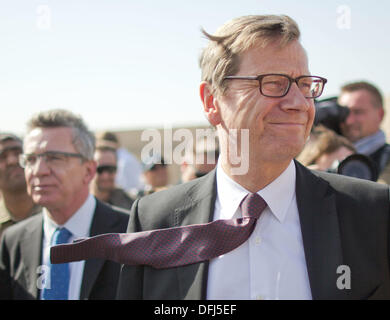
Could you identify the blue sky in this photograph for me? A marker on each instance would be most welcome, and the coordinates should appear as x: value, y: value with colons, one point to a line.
x: 134, y: 64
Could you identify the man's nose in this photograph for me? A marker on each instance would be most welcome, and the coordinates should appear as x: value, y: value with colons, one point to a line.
x: 350, y: 119
x: 40, y: 167
x: 295, y: 100
x: 105, y: 174
x: 12, y: 159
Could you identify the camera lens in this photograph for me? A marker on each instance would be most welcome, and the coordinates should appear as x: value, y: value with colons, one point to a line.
x: 358, y: 166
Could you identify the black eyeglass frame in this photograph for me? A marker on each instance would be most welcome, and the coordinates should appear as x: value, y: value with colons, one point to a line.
x: 260, y: 77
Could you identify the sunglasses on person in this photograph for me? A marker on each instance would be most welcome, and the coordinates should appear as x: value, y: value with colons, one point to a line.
x: 107, y: 168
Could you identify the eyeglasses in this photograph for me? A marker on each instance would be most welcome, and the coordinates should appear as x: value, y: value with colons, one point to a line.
x: 276, y: 85
x: 53, y: 159
x: 107, y: 168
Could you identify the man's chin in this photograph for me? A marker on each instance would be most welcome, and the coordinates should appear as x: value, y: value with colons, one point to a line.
x: 352, y: 135
x: 353, y: 138
x: 43, y: 200
x: 105, y: 189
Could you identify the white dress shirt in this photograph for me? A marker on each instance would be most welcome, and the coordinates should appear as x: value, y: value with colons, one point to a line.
x: 271, y: 264
x: 79, y: 225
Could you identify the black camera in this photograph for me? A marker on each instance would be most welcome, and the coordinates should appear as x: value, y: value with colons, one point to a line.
x: 356, y: 165
x: 330, y: 114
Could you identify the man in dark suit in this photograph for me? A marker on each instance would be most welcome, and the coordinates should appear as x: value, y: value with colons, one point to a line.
x: 59, y: 165
x: 321, y: 236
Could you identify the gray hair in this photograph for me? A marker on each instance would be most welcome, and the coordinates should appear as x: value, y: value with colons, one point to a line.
x: 82, y: 139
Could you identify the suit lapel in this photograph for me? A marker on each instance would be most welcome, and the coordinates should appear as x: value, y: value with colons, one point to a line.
x: 320, y: 232
x: 198, y: 208
x: 100, y: 224
x: 31, y: 248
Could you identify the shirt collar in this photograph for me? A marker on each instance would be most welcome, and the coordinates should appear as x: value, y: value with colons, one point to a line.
x: 370, y: 144
x: 78, y: 224
x: 278, y: 194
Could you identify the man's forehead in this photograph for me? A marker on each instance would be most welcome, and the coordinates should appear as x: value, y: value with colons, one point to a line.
x: 356, y: 99
x: 290, y: 59
x: 9, y: 144
x: 42, y: 138
x: 105, y: 156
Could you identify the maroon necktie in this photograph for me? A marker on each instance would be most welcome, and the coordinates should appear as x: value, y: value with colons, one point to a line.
x: 171, y: 247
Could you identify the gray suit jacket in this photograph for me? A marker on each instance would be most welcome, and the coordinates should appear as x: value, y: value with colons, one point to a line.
x: 21, y: 249
x: 344, y: 221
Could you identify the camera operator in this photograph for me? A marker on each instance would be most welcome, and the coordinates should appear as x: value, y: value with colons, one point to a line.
x: 362, y: 125
x: 357, y: 114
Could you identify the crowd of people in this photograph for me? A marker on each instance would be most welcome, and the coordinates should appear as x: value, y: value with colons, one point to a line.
x: 62, y: 182
x: 64, y: 175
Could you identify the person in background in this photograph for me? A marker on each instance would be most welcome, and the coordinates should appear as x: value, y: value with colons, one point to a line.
x: 103, y: 184
x: 324, y: 149
x: 15, y: 203
x: 59, y: 166
x: 203, y: 159
x: 129, y: 169
x: 155, y: 175
x: 362, y: 126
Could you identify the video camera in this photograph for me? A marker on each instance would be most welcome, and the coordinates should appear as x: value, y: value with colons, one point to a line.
x: 356, y: 165
x: 330, y: 114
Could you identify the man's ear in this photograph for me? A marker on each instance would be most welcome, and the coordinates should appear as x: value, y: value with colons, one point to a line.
x: 90, y: 172
x: 381, y: 114
x: 210, y: 104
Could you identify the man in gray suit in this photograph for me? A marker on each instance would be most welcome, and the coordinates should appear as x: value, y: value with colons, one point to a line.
x: 59, y: 165
x: 322, y: 236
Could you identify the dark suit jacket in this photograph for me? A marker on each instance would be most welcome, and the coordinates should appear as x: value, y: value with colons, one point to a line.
x: 21, y: 249
x: 344, y: 221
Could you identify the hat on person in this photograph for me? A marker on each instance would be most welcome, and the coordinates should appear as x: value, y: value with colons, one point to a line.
x: 106, y: 140
x: 4, y: 136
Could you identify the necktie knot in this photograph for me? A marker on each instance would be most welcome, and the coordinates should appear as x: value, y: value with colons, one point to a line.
x: 252, y: 205
x: 61, y: 235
